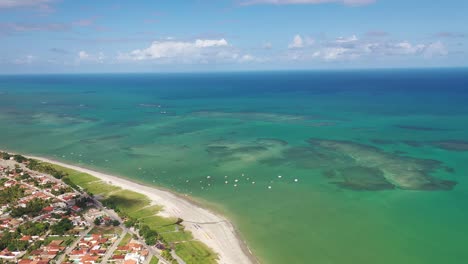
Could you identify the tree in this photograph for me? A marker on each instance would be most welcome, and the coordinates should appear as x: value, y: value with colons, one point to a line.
x: 5, y: 155
x: 33, y: 208
x: 97, y: 221
x: 62, y: 226
x: 19, y: 158
x: 115, y: 222
x: 33, y: 228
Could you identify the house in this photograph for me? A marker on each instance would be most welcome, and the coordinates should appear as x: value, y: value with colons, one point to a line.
x: 89, y: 259
x: 135, y: 257
x: 9, y: 183
x: 26, y: 238
x: 75, y: 208
x: 48, y: 209
x: 135, y: 246
x: 6, y: 254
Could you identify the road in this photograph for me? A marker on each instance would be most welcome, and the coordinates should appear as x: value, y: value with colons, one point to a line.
x: 112, y: 214
x: 70, y: 248
x: 111, y: 250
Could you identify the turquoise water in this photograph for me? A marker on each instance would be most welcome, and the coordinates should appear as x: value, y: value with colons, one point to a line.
x: 373, y: 164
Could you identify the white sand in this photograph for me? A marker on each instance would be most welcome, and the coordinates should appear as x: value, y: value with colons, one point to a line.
x: 212, y: 229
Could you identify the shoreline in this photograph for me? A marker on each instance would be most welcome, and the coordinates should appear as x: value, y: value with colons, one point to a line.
x: 206, y: 226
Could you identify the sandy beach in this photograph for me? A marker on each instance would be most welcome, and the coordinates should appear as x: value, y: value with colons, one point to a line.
x: 210, y: 228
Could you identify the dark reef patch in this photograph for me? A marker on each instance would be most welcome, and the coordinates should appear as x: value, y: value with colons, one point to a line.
x: 361, y: 178
x: 454, y: 145
x: 369, y: 168
x: 413, y: 143
x: 383, y: 142
x: 421, y: 128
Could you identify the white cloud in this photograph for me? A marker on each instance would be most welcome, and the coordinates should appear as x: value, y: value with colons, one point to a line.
x: 175, y: 49
x: 435, y: 49
x: 84, y: 56
x: 198, y: 51
x: 296, y: 43
x: 353, y: 38
x: 300, y: 42
x: 24, y: 60
x: 351, y: 48
x: 332, y: 54
x: 305, y: 2
x: 207, y: 43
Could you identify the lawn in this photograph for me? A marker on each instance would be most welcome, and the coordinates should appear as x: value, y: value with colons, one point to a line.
x: 106, y: 230
x: 195, y: 252
x: 125, y: 239
x: 154, y: 260
x: 67, y: 240
x: 147, y: 211
x: 180, y: 236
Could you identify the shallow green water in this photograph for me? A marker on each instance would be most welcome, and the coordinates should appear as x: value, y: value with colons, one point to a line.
x: 373, y: 165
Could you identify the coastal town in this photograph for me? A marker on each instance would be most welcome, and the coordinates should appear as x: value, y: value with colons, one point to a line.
x: 45, y: 220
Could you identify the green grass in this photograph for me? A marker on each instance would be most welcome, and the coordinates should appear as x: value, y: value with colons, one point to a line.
x: 78, y: 178
x: 67, y: 240
x: 154, y: 260
x: 125, y: 239
x: 106, y: 230
x: 195, y: 252
x: 158, y: 221
x: 100, y: 188
x: 147, y: 211
x: 177, y: 236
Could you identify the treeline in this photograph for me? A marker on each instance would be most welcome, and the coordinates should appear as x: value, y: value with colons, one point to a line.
x: 34, y: 165
x: 16, y: 157
x: 45, y: 168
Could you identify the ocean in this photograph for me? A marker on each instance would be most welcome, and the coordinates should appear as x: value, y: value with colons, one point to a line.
x: 325, y: 167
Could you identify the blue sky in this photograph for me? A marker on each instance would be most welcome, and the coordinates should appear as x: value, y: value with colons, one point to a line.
x: 43, y: 36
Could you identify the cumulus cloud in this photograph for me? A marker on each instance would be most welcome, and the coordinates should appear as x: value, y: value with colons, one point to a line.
x: 198, y: 51
x: 84, y: 56
x: 351, y: 48
x: 353, y: 38
x: 300, y: 42
x: 25, y: 60
x: 296, y: 43
x: 305, y: 2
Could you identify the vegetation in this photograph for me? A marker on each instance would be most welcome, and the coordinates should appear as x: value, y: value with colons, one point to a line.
x: 32, y: 209
x: 19, y: 158
x: 125, y: 239
x: 150, y: 235
x: 62, y: 227
x: 11, y: 194
x: 195, y: 252
x: 5, y: 155
x: 10, y: 240
x: 45, y: 168
x: 154, y: 260
x: 33, y: 228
